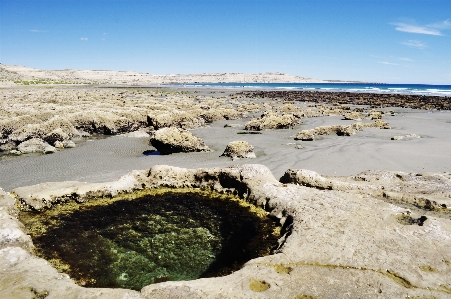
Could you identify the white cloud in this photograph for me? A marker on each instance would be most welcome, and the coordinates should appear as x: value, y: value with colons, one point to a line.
x: 416, y: 29
x: 430, y: 29
x: 441, y: 25
x: 37, y: 31
x: 387, y: 63
x: 83, y: 38
x: 405, y: 59
x: 415, y: 44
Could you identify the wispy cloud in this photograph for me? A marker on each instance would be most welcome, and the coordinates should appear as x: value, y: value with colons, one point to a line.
x: 405, y: 59
x: 430, y: 29
x: 414, y: 44
x: 446, y: 24
x: 83, y: 38
x: 416, y: 29
x: 387, y: 63
x: 37, y: 31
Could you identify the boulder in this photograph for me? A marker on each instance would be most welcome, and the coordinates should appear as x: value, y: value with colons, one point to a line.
x: 238, y: 150
x: 272, y: 121
x: 305, y: 135
x: 68, y: 144
x: 175, y: 140
x: 36, y: 145
x: 353, y: 115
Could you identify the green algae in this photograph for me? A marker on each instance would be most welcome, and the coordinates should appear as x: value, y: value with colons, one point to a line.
x: 134, y: 240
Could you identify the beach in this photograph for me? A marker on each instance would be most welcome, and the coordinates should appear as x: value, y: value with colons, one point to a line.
x: 359, y: 190
x: 109, y: 157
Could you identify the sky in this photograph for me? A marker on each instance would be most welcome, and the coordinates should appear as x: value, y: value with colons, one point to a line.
x: 396, y: 41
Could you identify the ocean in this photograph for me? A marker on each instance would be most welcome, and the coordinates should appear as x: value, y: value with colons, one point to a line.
x: 420, y: 89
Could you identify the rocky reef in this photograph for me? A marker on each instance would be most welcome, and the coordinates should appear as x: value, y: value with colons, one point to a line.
x: 354, y: 98
x: 376, y: 234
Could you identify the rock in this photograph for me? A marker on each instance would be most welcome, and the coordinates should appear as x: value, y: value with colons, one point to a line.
x: 381, y: 124
x: 7, y: 126
x: 341, y: 236
x: 7, y: 146
x: 27, y: 132
x: 238, y: 150
x: 305, y: 135
x: 15, y: 152
x: 397, y: 137
x: 68, y: 144
x: 272, y: 121
x: 374, y: 114
x: 184, y: 120
x: 60, y: 126
x: 309, y: 135
x: 353, y: 115
x: 175, y: 140
x: 56, y: 135
x: 102, y: 122
x: 58, y: 144
x: 36, y: 145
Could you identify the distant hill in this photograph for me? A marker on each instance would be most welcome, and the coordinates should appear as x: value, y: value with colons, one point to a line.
x: 26, y: 75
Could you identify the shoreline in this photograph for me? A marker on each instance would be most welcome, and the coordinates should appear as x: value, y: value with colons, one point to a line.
x: 277, y: 149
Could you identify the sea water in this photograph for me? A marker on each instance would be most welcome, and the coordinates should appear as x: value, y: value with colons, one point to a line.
x: 414, y: 89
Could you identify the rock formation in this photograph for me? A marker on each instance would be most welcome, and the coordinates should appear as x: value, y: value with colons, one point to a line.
x: 272, y: 121
x: 376, y: 235
x: 239, y: 150
x: 340, y: 130
x: 36, y: 145
x: 175, y: 140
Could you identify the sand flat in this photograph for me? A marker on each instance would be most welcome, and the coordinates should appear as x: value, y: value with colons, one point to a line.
x: 370, y: 149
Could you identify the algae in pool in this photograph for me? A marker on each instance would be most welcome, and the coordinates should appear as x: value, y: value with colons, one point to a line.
x: 153, y: 238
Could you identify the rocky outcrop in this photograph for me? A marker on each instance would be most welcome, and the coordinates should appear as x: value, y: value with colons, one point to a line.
x: 341, y: 236
x: 375, y: 100
x: 239, y: 150
x: 272, y: 121
x: 103, y: 122
x: 35, y: 145
x: 340, y: 130
x: 175, y: 140
x: 9, y: 125
x: 184, y: 120
x: 353, y: 115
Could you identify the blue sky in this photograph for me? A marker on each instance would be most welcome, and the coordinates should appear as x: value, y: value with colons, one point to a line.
x: 395, y: 41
